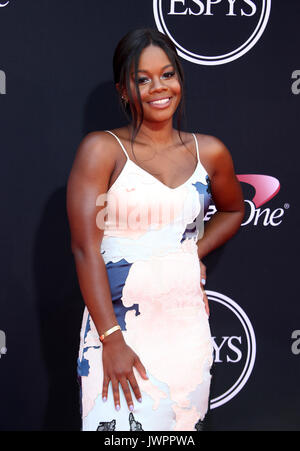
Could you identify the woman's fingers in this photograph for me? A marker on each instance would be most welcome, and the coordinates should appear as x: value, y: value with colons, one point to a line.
x: 116, y: 393
x: 202, y: 283
x: 105, y: 388
x: 135, y: 387
x: 140, y: 367
x: 127, y: 393
x: 125, y: 387
x: 205, y: 302
x: 202, y: 272
x: 124, y: 376
x: 126, y: 390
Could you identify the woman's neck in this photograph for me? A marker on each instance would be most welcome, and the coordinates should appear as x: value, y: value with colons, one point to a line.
x: 157, y: 133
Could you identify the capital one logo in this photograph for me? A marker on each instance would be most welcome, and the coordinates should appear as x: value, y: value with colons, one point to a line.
x: 212, y: 32
x: 3, y: 4
x: 234, y: 348
x: 266, y: 187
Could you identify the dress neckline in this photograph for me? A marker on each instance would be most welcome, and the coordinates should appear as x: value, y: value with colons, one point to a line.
x: 159, y: 181
x: 155, y: 178
x: 128, y: 160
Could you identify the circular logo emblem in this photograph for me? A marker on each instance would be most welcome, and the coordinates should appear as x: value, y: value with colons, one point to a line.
x: 234, y: 348
x: 212, y: 32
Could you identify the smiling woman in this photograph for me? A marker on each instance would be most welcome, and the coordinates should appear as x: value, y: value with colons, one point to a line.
x: 153, y: 63
x: 145, y: 332
x: 159, y: 86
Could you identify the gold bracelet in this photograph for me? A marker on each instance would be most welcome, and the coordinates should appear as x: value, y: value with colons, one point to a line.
x: 109, y: 331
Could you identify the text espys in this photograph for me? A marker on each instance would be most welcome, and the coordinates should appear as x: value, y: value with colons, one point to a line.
x: 246, y: 8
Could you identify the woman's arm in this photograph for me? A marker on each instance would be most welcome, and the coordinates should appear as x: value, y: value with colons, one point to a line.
x: 227, y: 196
x: 89, y: 177
x: 228, y: 199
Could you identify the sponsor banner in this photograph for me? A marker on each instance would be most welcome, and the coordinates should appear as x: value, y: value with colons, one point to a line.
x: 266, y: 188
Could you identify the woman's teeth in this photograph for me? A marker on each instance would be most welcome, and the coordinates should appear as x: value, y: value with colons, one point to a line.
x: 160, y: 102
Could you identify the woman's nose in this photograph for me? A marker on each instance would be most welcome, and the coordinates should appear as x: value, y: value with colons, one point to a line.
x: 157, y: 85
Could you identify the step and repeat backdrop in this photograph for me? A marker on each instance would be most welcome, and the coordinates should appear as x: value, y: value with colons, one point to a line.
x: 242, y: 67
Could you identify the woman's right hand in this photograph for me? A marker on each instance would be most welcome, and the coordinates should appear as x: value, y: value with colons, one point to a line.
x: 118, y: 362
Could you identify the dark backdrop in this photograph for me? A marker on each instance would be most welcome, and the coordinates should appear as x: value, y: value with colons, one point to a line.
x: 57, y: 60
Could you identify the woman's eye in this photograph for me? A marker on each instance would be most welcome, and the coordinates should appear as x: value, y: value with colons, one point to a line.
x: 142, y: 80
x: 168, y: 74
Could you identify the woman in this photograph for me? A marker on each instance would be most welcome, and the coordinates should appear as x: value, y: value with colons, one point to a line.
x: 135, y: 199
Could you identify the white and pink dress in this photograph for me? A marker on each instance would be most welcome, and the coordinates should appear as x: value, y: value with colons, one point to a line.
x: 150, y: 252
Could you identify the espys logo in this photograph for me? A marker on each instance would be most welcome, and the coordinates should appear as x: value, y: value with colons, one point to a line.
x: 212, y: 32
x: 3, y: 349
x: 234, y: 348
x: 266, y: 187
x: 3, y: 4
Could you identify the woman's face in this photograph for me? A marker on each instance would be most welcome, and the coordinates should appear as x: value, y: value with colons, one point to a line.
x: 158, y: 83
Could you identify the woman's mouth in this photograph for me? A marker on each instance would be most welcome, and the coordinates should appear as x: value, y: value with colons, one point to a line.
x: 160, y: 103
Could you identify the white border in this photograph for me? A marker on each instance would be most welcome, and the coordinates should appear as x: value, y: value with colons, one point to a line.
x: 215, y: 60
x: 251, y: 345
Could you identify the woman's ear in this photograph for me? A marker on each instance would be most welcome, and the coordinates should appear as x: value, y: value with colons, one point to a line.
x: 123, y: 93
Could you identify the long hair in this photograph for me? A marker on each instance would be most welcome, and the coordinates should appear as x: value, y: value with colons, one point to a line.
x: 127, y: 55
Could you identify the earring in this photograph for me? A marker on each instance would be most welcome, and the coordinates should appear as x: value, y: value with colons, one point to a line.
x: 125, y: 100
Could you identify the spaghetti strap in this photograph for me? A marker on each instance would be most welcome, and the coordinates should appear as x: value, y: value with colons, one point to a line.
x: 196, y: 141
x: 119, y: 141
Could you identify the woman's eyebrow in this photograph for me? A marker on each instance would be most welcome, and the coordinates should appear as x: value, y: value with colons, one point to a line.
x: 143, y: 70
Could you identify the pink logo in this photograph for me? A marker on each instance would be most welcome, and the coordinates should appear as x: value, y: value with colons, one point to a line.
x: 266, y: 187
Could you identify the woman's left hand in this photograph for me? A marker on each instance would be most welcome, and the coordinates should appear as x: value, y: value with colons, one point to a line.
x: 202, y: 283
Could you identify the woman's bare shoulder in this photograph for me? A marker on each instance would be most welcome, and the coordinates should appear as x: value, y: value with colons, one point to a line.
x: 212, y: 152
x: 96, y: 151
x: 95, y: 145
x: 209, y: 143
